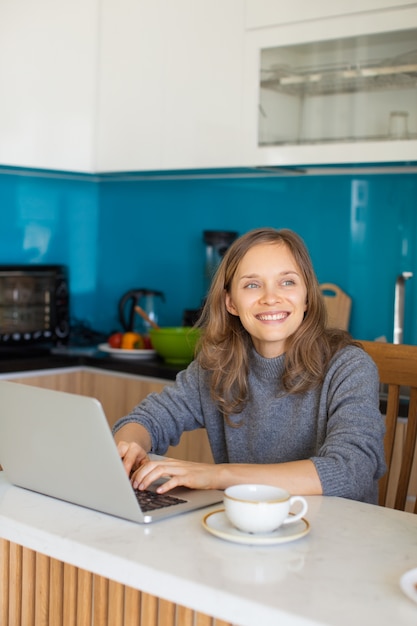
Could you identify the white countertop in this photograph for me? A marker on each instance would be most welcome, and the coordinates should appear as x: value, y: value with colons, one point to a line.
x: 345, y: 571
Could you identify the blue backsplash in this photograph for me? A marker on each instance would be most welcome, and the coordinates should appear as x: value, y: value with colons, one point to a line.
x: 120, y: 232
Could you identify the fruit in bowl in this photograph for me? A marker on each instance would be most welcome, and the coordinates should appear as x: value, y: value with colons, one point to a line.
x: 132, y: 341
x: 115, y: 340
x: 129, y: 341
x: 175, y: 344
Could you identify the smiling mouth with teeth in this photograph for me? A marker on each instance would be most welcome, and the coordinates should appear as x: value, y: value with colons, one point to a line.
x: 272, y: 317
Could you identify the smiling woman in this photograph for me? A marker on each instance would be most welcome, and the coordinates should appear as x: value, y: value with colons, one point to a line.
x: 285, y: 400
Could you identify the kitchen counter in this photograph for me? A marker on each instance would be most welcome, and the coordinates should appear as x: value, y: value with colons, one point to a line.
x: 154, y: 367
x: 89, y: 357
x: 345, y: 571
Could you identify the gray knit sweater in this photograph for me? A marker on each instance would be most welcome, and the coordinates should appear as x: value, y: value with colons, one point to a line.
x: 338, y: 426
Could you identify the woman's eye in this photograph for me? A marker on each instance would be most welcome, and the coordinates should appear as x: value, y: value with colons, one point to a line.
x: 251, y: 286
x: 288, y: 282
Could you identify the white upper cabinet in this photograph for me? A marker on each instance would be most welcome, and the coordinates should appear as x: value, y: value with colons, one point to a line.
x: 170, y: 84
x: 261, y: 13
x: 339, y: 89
x: 134, y: 85
x: 114, y: 85
x: 48, y: 63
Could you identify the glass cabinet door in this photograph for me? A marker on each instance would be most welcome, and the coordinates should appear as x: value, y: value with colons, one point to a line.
x: 353, y: 89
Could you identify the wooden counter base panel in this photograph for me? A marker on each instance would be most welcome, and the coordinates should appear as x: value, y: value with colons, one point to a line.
x: 36, y: 590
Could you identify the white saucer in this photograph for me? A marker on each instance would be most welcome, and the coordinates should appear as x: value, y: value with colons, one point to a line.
x: 408, y: 583
x: 120, y: 353
x: 218, y: 524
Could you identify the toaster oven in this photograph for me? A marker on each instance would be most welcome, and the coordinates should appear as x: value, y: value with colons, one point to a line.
x: 34, y: 305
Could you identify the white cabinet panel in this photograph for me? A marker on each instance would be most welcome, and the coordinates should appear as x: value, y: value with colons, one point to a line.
x: 261, y: 13
x: 48, y: 60
x: 170, y: 84
x: 121, y: 84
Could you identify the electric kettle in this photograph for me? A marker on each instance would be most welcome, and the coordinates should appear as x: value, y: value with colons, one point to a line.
x: 145, y: 298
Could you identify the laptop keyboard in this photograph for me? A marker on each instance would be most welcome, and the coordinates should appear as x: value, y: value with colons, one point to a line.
x: 151, y: 501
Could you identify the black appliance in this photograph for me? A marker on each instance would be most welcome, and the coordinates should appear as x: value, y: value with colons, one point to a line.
x: 216, y: 243
x: 34, y: 305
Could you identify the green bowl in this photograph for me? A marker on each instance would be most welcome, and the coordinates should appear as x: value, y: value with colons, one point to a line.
x: 175, y: 344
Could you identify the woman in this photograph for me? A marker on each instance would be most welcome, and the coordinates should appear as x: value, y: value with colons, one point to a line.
x: 285, y: 401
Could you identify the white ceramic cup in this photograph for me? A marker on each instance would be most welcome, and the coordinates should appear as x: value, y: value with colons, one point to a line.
x: 261, y: 508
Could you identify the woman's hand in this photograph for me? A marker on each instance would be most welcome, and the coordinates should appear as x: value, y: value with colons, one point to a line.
x: 179, y: 473
x: 132, y: 455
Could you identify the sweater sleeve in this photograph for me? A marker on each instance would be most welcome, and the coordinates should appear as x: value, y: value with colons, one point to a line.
x: 166, y: 415
x: 350, y: 460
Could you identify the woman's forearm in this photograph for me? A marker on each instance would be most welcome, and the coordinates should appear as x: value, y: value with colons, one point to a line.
x: 133, y: 432
x: 297, y: 477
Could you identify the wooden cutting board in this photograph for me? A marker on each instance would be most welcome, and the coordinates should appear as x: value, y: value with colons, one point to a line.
x: 338, y: 305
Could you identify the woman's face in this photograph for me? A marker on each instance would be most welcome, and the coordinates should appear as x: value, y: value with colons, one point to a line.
x: 269, y: 296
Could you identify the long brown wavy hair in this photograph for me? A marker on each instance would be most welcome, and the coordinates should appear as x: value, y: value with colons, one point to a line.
x: 225, y: 345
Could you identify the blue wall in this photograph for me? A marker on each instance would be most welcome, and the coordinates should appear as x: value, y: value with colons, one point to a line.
x: 115, y: 233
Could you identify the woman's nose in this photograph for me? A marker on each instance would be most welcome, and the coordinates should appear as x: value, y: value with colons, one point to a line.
x: 271, y: 295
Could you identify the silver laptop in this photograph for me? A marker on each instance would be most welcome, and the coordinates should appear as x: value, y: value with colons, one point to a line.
x: 60, y: 444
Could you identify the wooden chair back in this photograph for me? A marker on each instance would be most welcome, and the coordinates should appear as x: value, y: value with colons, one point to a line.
x: 338, y: 305
x: 397, y: 365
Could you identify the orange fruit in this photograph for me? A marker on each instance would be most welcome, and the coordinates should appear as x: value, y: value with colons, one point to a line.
x: 129, y: 340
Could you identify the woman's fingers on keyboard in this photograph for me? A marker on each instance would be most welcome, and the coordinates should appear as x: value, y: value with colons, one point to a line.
x: 132, y: 455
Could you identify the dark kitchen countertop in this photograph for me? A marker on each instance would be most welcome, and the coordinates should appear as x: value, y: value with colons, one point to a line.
x: 27, y: 361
